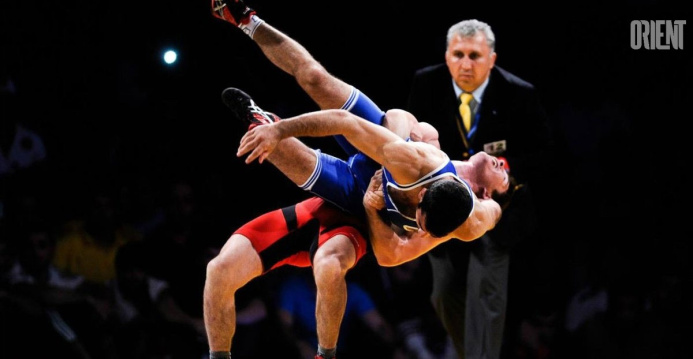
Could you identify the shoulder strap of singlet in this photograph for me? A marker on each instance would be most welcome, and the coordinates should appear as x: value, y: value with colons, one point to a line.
x: 447, y: 168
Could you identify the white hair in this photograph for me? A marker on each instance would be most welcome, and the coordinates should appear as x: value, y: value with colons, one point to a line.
x: 468, y: 28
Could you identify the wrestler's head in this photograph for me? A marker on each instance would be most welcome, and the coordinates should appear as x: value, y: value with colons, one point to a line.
x: 489, y: 177
x: 444, y: 206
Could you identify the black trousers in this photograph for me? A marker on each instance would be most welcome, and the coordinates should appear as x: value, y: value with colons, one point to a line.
x: 470, y: 292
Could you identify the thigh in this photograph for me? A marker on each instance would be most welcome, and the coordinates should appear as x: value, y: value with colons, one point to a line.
x: 360, y: 105
x: 335, y: 182
x: 279, y: 237
x: 340, y: 235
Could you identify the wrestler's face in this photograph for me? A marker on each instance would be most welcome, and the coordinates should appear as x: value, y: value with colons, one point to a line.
x: 469, y: 60
x: 489, y: 174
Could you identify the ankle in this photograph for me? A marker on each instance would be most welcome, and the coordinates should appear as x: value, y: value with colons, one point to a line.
x: 250, y: 26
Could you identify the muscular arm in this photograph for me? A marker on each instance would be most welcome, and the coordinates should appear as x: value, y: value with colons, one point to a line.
x: 367, y: 137
x: 487, y: 213
x: 406, y: 161
x: 389, y: 247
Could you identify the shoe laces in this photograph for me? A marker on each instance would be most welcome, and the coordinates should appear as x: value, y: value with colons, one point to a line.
x: 259, y: 113
x: 219, y: 6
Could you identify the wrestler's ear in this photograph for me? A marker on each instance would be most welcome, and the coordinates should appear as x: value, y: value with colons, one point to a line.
x: 421, y: 194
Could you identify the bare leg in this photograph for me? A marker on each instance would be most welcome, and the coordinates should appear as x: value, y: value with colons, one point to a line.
x: 326, y: 90
x: 236, y: 264
x: 291, y: 157
x: 330, y: 265
x: 294, y: 159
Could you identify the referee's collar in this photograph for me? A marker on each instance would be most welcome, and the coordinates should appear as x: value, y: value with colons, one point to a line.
x: 478, y: 93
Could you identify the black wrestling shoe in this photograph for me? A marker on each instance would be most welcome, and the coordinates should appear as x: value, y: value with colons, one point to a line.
x: 243, y: 106
x: 233, y: 11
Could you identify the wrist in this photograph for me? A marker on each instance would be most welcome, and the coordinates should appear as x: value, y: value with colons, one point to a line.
x: 282, y: 132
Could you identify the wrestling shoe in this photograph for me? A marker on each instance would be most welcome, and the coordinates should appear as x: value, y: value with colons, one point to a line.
x: 243, y: 106
x: 233, y: 11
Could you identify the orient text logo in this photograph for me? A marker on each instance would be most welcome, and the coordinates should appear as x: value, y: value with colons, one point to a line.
x: 657, y: 34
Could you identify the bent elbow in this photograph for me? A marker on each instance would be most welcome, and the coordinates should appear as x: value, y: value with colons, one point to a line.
x: 349, y: 122
x: 385, y: 260
x: 388, y: 263
x: 344, y: 116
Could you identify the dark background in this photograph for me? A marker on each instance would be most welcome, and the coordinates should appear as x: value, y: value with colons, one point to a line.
x: 89, y: 75
x: 89, y: 79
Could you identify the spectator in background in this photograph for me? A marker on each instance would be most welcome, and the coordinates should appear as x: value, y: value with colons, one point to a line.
x: 470, y: 280
x: 297, y: 301
x: 88, y: 246
x: 148, y: 322
x: 23, y: 152
x: 178, y: 248
x: 20, y: 148
x: 258, y: 329
x: 180, y: 245
x: 52, y: 301
x: 407, y: 306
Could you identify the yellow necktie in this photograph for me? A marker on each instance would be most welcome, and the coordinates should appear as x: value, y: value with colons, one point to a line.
x: 465, y: 111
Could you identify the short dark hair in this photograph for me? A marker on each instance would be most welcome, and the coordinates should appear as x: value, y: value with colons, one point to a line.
x: 503, y: 199
x: 447, y: 204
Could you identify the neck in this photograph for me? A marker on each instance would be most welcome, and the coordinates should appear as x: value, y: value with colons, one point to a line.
x: 465, y: 170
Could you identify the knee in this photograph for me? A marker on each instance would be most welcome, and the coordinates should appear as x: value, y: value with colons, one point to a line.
x: 217, y: 269
x: 312, y: 76
x: 214, y: 267
x: 330, y: 267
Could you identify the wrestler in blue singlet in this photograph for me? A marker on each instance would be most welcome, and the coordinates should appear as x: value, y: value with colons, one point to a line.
x: 344, y: 183
x: 401, y: 220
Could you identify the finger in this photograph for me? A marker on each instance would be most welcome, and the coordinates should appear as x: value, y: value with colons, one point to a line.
x: 243, y: 147
x: 245, y: 138
x: 248, y: 144
x: 376, y: 183
x: 258, y: 154
x: 248, y: 136
x: 252, y: 156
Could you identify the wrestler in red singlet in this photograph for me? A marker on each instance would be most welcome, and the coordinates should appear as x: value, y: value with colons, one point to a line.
x: 291, y: 235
